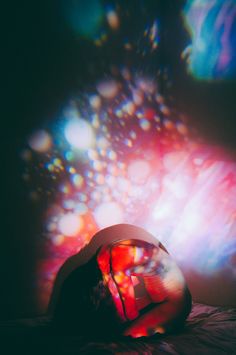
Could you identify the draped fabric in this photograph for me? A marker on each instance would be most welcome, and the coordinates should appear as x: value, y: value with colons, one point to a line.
x: 123, y: 282
x: 147, y: 287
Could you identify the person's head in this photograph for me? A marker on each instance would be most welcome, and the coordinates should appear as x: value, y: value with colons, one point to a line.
x: 85, y: 305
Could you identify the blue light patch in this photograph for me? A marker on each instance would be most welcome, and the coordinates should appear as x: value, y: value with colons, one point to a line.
x: 212, y: 27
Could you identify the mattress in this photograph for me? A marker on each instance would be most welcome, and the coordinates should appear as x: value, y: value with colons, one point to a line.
x: 208, y: 330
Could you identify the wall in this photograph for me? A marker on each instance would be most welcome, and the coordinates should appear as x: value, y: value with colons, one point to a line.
x: 48, y: 63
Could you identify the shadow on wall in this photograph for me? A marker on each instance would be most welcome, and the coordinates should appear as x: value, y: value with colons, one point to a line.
x: 217, y: 289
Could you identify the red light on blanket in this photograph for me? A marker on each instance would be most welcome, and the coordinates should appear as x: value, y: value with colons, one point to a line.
x: 130, y: 286
x: 141, y: 277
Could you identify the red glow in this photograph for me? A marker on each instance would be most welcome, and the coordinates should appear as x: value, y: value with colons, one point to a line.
x: 125, y: 264
x: 149, y: 113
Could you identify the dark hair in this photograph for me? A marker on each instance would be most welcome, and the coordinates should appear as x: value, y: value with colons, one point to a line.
x: 85, y: 304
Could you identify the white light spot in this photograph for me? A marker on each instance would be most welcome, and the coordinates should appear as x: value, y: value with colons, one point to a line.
x: 107, y: 214
x: 138, y: 171
x: 79, y: 134
x: 70, y: 224
x: 162, y: 211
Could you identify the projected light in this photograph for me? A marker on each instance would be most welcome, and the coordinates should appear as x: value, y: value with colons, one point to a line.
x: 112, y: 18
x: 109, y: 168
x: 108, y: 89
x: 79, y: 134
x: 126, y: 263
x: 108, y: 214
x: 40, y: 141
x: 138, y: 171
x: 162, y: 211
x: 70, y: 224
x: 212, y: 27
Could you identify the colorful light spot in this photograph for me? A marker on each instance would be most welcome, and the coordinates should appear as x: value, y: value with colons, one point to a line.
x: 113, y: 19
x: 108, y: 89
x: 77, y: 180
x: 69, y: 156
x: 95, y: 101
x: 145, y: 124
x: 40, y: 141
x: 58, y: 239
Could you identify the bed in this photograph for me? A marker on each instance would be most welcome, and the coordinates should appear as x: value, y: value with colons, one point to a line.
x: 208, y: 330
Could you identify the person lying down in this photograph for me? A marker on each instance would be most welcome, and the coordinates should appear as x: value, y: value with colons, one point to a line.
x: 123, y: 283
